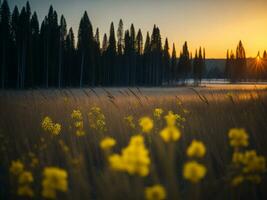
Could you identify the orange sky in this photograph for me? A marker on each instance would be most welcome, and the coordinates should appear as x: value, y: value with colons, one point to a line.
x: 217, y: 25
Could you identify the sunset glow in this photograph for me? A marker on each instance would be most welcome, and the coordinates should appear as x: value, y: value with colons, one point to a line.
x: 209, y: 23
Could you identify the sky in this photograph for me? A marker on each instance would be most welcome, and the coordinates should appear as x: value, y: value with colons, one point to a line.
x: 217, y: 25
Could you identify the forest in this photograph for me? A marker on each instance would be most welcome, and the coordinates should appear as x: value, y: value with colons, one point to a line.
x: 45, y: 55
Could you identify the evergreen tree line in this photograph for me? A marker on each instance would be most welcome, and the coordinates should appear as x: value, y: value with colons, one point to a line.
x: 46, y: 55
x: 237, y: 67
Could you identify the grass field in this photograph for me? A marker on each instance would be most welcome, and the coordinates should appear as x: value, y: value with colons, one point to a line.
x: 205, y: 114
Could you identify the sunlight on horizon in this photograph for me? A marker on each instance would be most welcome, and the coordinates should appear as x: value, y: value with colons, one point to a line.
x: 214, y: 25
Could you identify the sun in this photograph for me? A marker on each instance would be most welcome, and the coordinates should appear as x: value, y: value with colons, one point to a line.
x: 258, y: 58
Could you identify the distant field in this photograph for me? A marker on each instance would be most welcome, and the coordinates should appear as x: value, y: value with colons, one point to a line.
x: 210, y: 111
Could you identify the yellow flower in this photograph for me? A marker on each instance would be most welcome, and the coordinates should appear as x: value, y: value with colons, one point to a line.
x: 158, y: 112
x: 97, y: 119
x: 47, y: 124
x: 253, y: 162
x: 194, y: 171
x: 56, y: 129
x: 170, y: 133
x: 107, y: 143
x: 16, y: 167
x: 146, y: 124
x: 54, y: 179
x: 78, y: 124
x: 237, y: 180
x: 76, y: 114
x: 134, y: 159
x: 129, y: 121
x: 116, y: 162
x: 25, y: 177
x: 196, y: 149
x: 25, y: 190
x: 170, y: 119
x: 80, y: 133
x: 156, y: 192
x: 238, y: 137
x: 237, y: 157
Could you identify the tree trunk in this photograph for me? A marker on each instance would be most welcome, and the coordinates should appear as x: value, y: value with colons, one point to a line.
x: 82, y: 67
x: 3, y: 66
x: 60, y: 65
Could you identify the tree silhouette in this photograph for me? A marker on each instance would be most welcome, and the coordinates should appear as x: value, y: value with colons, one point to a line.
x: 166, y: 62
x: 62, y: 45
x: 173, y: 76
x: 71, y: 74
x: 5, y: 41
x: 48, y: 57
x: 184, y: 65
x: 85, y: 50
x: 111, y: 57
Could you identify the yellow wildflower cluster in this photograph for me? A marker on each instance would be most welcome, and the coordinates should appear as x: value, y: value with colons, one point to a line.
x: 172, y: 118
x: 156, y: 192
x: 97, y: 119
x: 157, y: 113
x: 24, y: 178
x: 146, y: 124
x: 194, y: 171
x: 16, y: 167
x: 107, y: 143
x: 170, y: 132
x: 196, y: 149
x: 24, y: 189
x: 76, y: 115
x: 248, y: 165
x: 134, y: 159
x: 55, y: 179
x: 238, y: 137
x: 49, y: 126
x: 129, y: 120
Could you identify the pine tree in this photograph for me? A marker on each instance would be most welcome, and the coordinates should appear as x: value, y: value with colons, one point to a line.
x: 62, y: 45
x: 35, y: 45
x: 195, y: 68
x: 120, y: 46
x: 111, y: 57
x: 5, y: 41
x: 72, y: 74
x: 200, y: 66
x: 156, y: 57
x: 133, y: 55
x: 166, y: 62
x: 15, y: 39
x: 184, y: 66
x: 85, y: 49
x: 127, y: 54
x: 227, y: 65
x: 104, y: 64
x: 97, y: 52
x: 173, y: 70
x: 147, y: 60
x: 120, y: 38
x: 241, y: 63
x: 27, y: 67
x: 139, y: 60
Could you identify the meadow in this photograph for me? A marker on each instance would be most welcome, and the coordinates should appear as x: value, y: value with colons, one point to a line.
x: 204, y: 142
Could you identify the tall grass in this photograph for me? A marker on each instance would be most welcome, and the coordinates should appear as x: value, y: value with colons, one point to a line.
x: 209, y: 114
